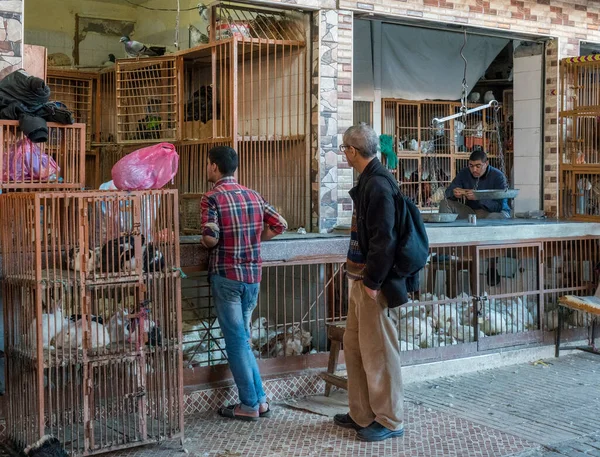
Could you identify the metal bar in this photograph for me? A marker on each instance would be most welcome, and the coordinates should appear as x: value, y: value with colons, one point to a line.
x: 442, y: 120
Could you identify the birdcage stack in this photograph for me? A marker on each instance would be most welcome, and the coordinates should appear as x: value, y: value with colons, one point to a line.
x: 579, y: 139
x: 92, y: 309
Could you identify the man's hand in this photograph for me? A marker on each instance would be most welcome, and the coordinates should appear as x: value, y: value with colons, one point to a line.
x: 208, y: 242
x: 458, y: 192
x: 371, y: 293
x: 470, y: 195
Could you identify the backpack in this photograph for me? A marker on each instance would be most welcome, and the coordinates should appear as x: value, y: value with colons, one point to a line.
x: 412, y: 250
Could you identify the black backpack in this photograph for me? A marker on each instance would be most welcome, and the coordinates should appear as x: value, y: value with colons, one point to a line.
x: 412, y: 249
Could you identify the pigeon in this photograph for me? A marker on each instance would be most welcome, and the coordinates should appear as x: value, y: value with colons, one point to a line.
x: 137, y: 49
x: 111, y: 61
x: 196, y: 37
x: 203, y: 11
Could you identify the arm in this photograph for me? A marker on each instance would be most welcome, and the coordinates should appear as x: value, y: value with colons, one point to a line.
x: 495, y: 206
x: 381, y: 222
x: 455, y: 184
x: 275, y: 224
x: 209, y: 222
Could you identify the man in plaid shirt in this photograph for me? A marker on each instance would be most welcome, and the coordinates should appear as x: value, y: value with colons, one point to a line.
x: 234, y: 222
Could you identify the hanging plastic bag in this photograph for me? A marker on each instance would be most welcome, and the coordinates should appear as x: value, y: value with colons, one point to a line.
x: 26, y: 162
x: 147, y: 168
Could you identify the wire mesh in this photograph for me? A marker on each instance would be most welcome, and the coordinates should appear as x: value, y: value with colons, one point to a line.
x: 147, y: 100
x: 93, y: 318
x: 57, y: 164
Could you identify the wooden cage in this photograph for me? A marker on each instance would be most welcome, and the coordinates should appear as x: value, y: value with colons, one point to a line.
x: 106, y: 106
x: 147, y: 100
x: 57, y: 164
x: 429, y: 158
x: 579, y: 138
x: 92, y: 318
x: 77, y: 90
x: 249, y: 88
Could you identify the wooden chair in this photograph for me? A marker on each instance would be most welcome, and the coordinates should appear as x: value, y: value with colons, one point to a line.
x: 335, y: 333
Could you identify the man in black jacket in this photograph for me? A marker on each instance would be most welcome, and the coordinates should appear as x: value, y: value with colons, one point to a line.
x: 371, y: 343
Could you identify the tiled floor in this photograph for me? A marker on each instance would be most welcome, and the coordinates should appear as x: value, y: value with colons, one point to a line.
x: 297, y: 433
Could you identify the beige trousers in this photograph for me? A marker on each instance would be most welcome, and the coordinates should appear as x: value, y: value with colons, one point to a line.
x: 372, y: 353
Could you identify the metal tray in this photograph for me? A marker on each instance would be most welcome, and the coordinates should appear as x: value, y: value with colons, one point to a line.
x: 495, y: 194
x: 439, y: 217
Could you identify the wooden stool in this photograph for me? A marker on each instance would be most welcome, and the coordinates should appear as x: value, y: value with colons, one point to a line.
x: 335, y: 333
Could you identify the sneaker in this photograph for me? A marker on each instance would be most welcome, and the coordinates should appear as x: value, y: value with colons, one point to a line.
x: 344, y: 420
x: 377, y: 432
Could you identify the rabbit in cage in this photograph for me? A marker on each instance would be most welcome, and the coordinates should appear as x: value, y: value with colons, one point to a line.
x: 48, y: 446
x: 119, y: 256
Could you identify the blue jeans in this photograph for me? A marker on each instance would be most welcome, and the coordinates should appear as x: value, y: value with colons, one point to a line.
x: 234, y: 302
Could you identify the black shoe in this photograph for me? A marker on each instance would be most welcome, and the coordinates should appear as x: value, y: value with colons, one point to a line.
x: 377, y: 432
x: 344, y: 420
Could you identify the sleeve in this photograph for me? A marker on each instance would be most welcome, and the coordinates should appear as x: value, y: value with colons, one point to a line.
x: 274, y: 220
x: 456, y: 182
x: 209, y: 217
x: 381, y: 223
x: 495, y: 206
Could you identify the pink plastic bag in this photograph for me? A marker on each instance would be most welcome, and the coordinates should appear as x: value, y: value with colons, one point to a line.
x: 147, y: 168
x: 26, y: 162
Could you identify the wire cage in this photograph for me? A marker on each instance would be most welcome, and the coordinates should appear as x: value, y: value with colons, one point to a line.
x: 147, y: 100
x: 580, y: 192
x: 57, y: 164
x: 92, y: 318
x: 77, y: 90
x: 429, y: 158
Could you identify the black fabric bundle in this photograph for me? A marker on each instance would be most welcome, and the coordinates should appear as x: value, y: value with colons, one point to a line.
x: 25, y: 98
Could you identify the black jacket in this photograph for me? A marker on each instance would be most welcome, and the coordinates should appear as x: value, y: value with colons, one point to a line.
x: 24, y: 98
x: 373, y: 199
x: 377, y: 221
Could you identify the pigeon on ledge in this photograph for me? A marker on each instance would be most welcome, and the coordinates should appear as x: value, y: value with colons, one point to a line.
x: 137, y: 49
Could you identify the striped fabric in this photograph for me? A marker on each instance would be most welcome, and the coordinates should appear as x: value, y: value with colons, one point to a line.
x: 236, y: 215
x: 355, y: 263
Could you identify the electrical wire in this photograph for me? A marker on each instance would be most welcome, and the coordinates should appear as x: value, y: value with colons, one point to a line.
x: 171, y: 10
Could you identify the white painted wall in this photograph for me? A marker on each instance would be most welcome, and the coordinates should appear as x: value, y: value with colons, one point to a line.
x: 528, y: 132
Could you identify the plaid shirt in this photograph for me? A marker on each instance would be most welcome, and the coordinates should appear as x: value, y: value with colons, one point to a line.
x: 236, y: 216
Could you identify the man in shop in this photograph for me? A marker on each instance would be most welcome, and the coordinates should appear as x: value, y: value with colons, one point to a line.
x: 371, y: 342
x: 235, y: 220
x: 478, y: 175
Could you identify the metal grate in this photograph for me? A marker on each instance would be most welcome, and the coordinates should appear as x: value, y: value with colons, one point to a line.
x: 147, y: 100
x: 56, y: 164
x: 295, y: 303
x: 93, y: 318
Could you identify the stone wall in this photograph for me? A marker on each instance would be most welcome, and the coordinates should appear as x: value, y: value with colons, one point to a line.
x: 335, y: 98
x: 11, y: 36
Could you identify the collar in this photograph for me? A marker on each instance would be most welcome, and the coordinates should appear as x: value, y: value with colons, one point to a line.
x: 370, y: 168
x: 225, y: 180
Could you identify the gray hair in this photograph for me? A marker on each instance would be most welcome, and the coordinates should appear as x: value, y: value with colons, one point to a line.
x: 363, y: 138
